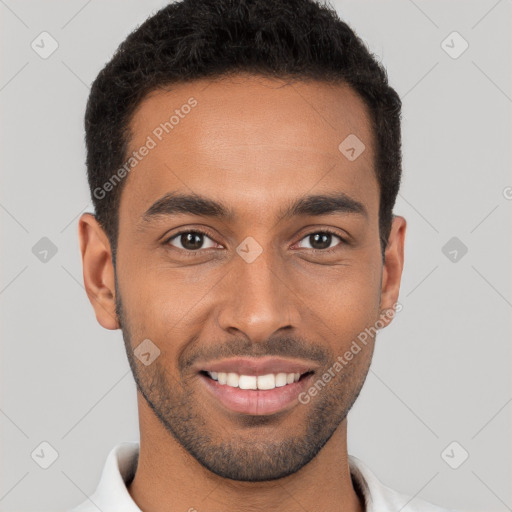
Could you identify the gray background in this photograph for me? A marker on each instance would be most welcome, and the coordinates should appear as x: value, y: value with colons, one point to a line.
x: 441, y: 371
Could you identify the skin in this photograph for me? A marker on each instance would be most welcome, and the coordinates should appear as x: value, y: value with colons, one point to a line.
x: 255, y: 145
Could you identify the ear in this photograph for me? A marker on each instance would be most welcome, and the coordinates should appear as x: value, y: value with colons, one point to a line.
x: 392, y: 271
x: 98, y: 270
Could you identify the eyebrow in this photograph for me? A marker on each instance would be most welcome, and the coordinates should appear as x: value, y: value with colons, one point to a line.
x: 193, y: 204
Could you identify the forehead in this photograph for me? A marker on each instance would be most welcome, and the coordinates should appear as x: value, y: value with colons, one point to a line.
x: 249, y: 141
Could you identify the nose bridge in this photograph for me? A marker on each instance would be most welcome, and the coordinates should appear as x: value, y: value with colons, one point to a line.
x: 258, y: 300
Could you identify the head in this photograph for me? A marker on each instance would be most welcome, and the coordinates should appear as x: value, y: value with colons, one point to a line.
x: 243, y: 160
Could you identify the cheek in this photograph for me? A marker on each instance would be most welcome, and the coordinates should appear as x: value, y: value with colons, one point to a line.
x: 342, y: 295
x: 163, y: 306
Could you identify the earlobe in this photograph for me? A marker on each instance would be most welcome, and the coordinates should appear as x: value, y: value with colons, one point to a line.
x: 393, y: 267
x: 98, y: 270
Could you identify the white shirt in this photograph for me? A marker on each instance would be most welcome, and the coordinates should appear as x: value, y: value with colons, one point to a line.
x: 111, y: 494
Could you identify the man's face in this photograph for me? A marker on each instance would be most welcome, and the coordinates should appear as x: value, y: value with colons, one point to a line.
x: 292, y: 290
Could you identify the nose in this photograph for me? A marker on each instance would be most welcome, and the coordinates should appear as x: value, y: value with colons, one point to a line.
x: 258, y: 299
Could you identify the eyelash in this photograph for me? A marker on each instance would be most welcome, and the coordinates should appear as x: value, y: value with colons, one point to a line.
x: 205, y: 233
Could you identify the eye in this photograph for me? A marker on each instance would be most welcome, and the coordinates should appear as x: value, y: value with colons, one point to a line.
x: 194, y: 240
x: 321, y: 240
x: 191, y: 241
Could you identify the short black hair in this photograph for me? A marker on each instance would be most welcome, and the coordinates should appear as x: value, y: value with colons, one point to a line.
x: 195, y: 39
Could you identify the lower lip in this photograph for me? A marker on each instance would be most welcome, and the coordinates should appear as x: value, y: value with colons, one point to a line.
x: 255, y: 401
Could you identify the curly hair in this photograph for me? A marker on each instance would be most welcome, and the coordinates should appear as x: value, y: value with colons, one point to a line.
x: 194, y: 39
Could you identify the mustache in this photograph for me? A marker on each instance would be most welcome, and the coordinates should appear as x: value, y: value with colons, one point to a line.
x: 282, y: 346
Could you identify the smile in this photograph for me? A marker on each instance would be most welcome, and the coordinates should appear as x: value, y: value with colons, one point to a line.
x: 255, y: 395
x: 264, y: 382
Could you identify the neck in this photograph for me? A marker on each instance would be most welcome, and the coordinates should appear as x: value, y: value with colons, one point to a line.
x: 166, y: 474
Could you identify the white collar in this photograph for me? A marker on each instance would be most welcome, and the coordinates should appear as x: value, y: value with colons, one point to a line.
x: 111, y: 494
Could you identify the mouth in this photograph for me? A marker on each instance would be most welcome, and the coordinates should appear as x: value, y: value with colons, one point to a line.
x: 256, y: 394
x: 254, y: 382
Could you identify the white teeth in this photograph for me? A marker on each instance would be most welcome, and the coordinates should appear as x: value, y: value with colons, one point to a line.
x: 263, y: 382
x: 233, y: 379
x: 280, y: 380
x: 267, y: 381
x: 247, y: 382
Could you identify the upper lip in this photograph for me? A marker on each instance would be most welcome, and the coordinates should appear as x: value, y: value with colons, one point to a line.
x: 258, y: 366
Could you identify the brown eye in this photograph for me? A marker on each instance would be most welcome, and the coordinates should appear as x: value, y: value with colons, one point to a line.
x: 191, y: 241
x: 321, y: 240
